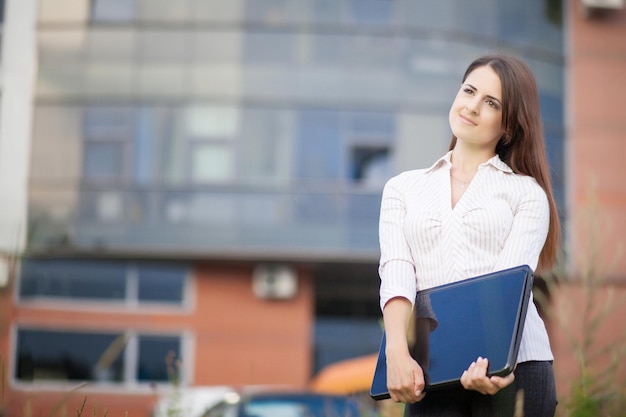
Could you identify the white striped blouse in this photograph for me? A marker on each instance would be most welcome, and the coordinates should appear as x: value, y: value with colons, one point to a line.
x: 501, y: 221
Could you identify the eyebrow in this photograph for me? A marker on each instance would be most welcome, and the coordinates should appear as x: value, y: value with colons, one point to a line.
x: 491, y: 97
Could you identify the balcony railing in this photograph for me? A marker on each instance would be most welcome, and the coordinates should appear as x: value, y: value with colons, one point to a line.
x: 220, y: 221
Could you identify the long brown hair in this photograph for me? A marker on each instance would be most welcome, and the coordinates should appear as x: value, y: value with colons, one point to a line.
x: 522, y: 145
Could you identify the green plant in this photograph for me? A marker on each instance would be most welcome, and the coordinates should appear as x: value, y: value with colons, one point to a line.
x: 174, y: 404
x: 2, y: 387
x: 598, y: 389
x: 59, y: 407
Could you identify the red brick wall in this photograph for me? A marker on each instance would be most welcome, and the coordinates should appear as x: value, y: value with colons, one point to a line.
x: 568, y: 331
x: 596, y: 147
x: 245, y: 340
x: 596, y: 130
x: 238, y: 339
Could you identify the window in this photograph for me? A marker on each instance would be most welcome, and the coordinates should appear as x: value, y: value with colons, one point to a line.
x: 318, y: 147
x: 369, y: 164
x: 104, y: 161
x: 154, y: 353
x: 210, y: 133
x: 74, y: 280
x: 55, y: 355
x: 266, y: 146
x: 369, y: 138
x: 66, y: 356
x: 160, y: 283
x: 211, y: 161
x: 372, y: 11
x: 109, y: 135
x: 269, y: 48
x: 113, y: 10
x: 353, y: 146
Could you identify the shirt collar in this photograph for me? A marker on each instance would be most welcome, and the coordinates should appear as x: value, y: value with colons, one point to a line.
x: 495, y: 162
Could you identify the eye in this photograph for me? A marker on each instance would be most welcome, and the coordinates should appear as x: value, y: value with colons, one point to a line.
x: 468, y: 90
x: 493, y: 104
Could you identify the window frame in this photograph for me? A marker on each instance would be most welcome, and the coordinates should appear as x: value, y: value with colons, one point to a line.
x: 130, y: 360
x: 121, y: 137
x: 130, y: 301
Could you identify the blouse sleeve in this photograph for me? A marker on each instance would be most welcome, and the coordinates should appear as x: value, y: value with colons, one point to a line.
x: 396, y: 268
x: 528, y: 232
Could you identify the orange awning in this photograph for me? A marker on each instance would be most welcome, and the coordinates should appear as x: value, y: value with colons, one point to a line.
x: 346, y: 377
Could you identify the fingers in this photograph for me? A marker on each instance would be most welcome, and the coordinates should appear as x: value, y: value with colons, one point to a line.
x: 502, y: 382
x: 419, y: 397
x: 406, y: 395
x: 408, y: 388
x: 475, y: 378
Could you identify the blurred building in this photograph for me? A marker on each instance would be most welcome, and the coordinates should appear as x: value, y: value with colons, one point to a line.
x: 201, y: 179
x: 588, y: 329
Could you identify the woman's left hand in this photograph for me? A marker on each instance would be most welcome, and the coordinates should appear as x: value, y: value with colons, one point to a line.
x: 475, y: 378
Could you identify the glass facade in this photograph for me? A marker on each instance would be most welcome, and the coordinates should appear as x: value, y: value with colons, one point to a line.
x: 262, y: 125
x: 110, y: 283
x: 252, y: 129
x: 98, y: 357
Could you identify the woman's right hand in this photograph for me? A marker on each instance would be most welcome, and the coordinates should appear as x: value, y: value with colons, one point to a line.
x: 405, y: 378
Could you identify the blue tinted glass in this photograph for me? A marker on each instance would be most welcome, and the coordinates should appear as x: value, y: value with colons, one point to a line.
x: 104, y: 160
x: 113, y: 10
x: 377, y: 124
x: 372, y: 11
x: 328, y: 50
x: 73, y: 279
x: 318, y: 146
x: 145, y: 143
x: 107, y: 122
x: 363, y: 208
x: 68, y: 356
x: 551, y: 108
x: 156, y: 355
x: 278, y: 48
x: 554, y: 148
x: 108, y: 131
x: 369, y: 165
x: 161, y: 283
x: 327, y: 11
x: 339, y: 338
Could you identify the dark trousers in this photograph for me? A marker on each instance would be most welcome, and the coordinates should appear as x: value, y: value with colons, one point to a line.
x: 533, y: 392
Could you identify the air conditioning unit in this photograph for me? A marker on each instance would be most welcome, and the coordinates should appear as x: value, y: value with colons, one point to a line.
x: 603, y: 4
x: 109, y: 206
x: 277, y: 282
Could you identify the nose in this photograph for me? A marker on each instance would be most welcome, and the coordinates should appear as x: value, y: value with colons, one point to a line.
x: 473, y: 106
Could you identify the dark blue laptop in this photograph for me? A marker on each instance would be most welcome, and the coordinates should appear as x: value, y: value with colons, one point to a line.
x: 455, y: 323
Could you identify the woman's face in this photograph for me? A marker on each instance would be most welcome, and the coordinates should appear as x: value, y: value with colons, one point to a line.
x: 476, y: 113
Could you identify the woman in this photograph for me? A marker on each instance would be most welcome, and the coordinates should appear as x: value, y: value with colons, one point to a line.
x: 486, y: 205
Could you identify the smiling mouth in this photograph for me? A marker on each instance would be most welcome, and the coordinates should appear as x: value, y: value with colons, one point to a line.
x: 466, y: 120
